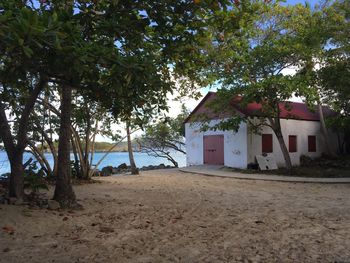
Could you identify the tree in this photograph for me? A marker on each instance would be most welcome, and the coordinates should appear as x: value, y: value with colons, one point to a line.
x: 323, y: 32
x: 335, y: 80
x: 333, y: 76
x: 122, y: 54
x: 165, y: 137
x: 251, y: 64
x: 134, y: 169
x: 27, y: 40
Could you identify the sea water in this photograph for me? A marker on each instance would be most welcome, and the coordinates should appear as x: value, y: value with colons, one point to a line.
x: 113, y: 159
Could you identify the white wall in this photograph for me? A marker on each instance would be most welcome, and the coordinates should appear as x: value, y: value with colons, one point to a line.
x: 302, y: 129
x: 235, y: 145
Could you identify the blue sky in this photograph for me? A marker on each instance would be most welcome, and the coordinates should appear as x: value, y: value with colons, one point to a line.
x: 293, y: 2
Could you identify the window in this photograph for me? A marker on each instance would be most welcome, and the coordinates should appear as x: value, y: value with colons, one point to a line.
x: 311, y: 142
x: 267, y: 146
x: 293, y: 144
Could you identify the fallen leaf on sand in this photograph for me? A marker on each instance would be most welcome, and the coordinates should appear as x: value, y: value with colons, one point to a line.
x: 8, y: 229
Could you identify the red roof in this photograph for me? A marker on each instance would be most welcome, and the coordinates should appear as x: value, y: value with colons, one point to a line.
x: 288, y: 110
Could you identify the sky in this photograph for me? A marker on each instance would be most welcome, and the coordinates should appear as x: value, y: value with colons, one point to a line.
x: 293, y: 2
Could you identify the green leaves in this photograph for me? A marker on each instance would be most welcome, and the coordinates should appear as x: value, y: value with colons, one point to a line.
x: 28, y: 52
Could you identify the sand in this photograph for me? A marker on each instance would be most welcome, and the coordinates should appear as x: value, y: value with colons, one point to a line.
x: 169, y: 216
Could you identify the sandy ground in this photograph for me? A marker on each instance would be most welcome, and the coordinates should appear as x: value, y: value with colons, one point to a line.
x: 168, y: 216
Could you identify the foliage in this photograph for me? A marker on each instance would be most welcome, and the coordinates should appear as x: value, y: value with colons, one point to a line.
x: 333, y: 77
x: 252, y: 62
x: 34, y: 178
x: 165, y: 136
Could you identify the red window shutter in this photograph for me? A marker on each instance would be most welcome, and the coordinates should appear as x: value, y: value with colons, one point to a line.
x: 311, y: 143
x: 293, y: 143
x: 267, y: 146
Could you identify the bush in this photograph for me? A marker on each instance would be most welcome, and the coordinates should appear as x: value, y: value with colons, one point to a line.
x: 35, y: 179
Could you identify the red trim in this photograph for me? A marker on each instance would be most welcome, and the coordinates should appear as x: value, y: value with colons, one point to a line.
x: 299, y: 111
x: 209, y: 94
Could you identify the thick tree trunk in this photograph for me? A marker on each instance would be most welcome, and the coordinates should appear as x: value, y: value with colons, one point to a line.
x: 15, y: 151
x: 64, y: 193
x: 324, y: 131
x: 15, y: 157
x: 17, y: 176
x: 134, y: 169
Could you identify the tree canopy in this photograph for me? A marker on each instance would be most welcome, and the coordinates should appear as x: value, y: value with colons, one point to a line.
x: 268, y: 60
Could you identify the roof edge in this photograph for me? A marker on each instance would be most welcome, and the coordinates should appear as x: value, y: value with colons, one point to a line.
x: 198, y: 106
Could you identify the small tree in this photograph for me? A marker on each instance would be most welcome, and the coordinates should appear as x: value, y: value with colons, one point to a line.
x: 165, y: 137
x: 25, y: 57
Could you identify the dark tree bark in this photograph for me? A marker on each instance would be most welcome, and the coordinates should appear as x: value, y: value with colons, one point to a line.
x: 16, y: 149
x: 17, y: 176
x: 15, y: 157
x: 64, y: 193
x: 134, y: 169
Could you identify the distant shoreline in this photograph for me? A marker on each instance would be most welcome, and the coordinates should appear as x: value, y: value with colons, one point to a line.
x: 102, y: 151
x: 113, y: 158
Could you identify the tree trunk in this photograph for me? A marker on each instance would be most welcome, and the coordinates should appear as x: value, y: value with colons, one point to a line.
x: 64, y: 193
x: 276, y: 126
x: 134, y: 169
x: 284, y: 150
x: 87, y: 146
x: 76, y: 159
x: 15, y: 151
x: 324, y: 131
x: 93, y: 149
x: 172, y: 160
x: 49, y: 142
x: 79, y: 149
x: 40, y: 157
x: 17, y: 176
x: 105, y: 155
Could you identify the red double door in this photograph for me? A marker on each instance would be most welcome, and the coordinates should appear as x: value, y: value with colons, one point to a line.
x: 213, y: 148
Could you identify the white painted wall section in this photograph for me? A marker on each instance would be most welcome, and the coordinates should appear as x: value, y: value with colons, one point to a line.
x: 235, y: 145
x: 302, y: 129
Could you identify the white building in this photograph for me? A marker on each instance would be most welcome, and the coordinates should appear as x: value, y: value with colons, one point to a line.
x: 300, y: 128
